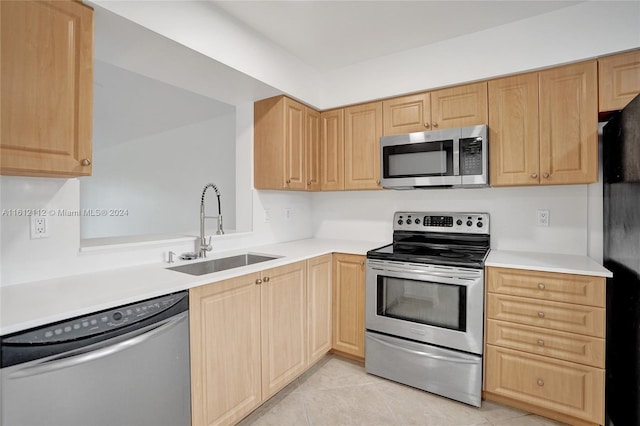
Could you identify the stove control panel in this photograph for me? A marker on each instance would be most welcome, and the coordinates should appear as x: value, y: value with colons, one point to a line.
x: 468, y: 223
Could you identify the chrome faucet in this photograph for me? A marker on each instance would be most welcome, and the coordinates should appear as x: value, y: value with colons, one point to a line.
x: 205, y: 245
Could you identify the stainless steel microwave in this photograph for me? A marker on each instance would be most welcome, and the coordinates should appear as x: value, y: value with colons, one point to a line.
x: 456, y: 157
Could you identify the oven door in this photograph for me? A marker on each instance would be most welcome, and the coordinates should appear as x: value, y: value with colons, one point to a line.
x: 439, y: 305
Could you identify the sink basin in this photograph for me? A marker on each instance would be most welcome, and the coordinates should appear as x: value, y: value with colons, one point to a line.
x: 217, y: 265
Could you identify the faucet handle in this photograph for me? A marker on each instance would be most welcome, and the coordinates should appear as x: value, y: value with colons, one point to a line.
x: 171, y: 254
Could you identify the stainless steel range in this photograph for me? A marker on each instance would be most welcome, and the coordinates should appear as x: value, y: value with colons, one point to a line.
x: 425, y: 303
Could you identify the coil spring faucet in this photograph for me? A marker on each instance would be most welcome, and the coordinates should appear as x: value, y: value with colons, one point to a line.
x: 205, y: 245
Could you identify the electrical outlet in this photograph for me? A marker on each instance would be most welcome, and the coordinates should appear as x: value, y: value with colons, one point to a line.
x: 543, y: 217
x: 287, y: 214
x: 39, y: 227
x: 267, y: 215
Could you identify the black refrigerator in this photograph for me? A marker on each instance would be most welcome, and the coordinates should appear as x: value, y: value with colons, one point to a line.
x: 621, y: 191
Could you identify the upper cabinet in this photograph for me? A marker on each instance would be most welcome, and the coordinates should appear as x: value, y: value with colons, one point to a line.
x: 47, y: 88
x: 619, y: 80
x: 286, y: 138
x: 362, y: 133
x: 452, y: 107
x: 543, y: 127
x: 332, y: 150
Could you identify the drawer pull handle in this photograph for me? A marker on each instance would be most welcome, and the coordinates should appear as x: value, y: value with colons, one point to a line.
x: 541, y: 286
x: 541, y: 314
x: 540, y: 342
x: 540, y: 382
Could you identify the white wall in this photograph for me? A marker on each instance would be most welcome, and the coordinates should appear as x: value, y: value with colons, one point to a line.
x: 159, y: 178
x: 368, y: 214
x: 586, y: 30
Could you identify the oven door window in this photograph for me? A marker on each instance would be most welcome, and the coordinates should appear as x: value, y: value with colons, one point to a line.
x: 424, y: 302
x: 418, y: 159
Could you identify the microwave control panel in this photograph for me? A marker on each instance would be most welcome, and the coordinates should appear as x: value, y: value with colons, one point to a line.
x: 471, y: 162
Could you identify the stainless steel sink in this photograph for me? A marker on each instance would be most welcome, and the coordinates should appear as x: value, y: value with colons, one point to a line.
x: 217, y: 265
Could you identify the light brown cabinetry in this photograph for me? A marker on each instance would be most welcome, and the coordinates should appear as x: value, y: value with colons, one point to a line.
x: 283, y: 326
x: 332, y: 150
x: 348, y: 304
x: 319, y: 301
x: 47, y: 88
x: 619, y: 80
x: 544, y: 127
x: 362, y: 132
x: 224, y: 321
x: 248, y: 340
x: 545, y: 343
x: 457, y: 106
x: 286, y: 138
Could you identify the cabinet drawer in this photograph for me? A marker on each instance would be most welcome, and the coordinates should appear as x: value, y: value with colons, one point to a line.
x: 552, y: 315
x: 564, y: 387
x: 556, y: 344
x: 581, y: 289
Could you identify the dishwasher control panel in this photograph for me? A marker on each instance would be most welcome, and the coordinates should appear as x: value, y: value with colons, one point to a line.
x: 97, y: 323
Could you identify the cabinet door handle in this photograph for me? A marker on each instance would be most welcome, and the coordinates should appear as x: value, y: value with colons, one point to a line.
x: 266, y: 279
x: 540, y: 342
x: 377, y: 182
x: 309, y: 183
x: 85, y: 162
x: 435, y: 124
x: 534, y: 175
x: 545, y: 175
x: 258, y: 281
x: 426, y: 125
x: 540, y: 382
x: 541, y: 314
x: 541, y: 286
x: 288, y: 180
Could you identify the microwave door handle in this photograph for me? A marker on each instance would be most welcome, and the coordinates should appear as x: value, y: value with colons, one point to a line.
x: 456, y: 157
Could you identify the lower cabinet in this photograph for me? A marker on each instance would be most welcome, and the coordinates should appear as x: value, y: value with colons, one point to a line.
x: 545, y: 343
x: 348, y: 304
x: 253, y: 335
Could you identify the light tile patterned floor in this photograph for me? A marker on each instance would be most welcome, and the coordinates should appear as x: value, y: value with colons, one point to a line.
x: 338, y: 392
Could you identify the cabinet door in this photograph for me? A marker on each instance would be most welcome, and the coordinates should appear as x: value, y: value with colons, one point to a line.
x: 564, y: 387
x: 47, y: 88
x: 619, y: 80
x: 225, y: 350
x: 319, y: 274
x: 295, y: 158
x: 348, y: 304
x: 406, y: 114
x: 284, y: 319
x: 363, y: 129
x: 459, y: 106
x: 513, y: 131
x: 312, y: 149
x: 569, y: 124
x: 332, y: 150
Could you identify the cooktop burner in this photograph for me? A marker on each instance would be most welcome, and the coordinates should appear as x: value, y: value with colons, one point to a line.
x: 450, y: 239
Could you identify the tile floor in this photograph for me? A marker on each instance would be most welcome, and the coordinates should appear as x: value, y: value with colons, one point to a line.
x: 337, y: 391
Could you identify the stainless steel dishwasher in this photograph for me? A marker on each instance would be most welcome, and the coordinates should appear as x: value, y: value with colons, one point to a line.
x: 123, y: 366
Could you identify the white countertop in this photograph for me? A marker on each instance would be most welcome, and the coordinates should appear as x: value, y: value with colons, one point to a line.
x: 549, y: 262
x: 29, y: 305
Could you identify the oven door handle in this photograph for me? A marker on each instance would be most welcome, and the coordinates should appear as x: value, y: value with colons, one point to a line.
x: 457, y: 275
x: 457, y: 360
x: 97, y: 351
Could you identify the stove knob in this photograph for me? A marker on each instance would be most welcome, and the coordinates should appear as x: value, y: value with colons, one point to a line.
x: 458, y: 222
x: 469, y: 223
x: 408, y: 221
x: 417, y: 221
x: 479, y: 224
x: 400, y: 222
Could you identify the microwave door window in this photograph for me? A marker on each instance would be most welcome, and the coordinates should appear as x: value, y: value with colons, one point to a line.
x: 424, y: 302
x: 419, y: 159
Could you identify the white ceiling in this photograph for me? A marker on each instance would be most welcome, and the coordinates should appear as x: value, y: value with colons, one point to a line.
x: 333, y: 34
